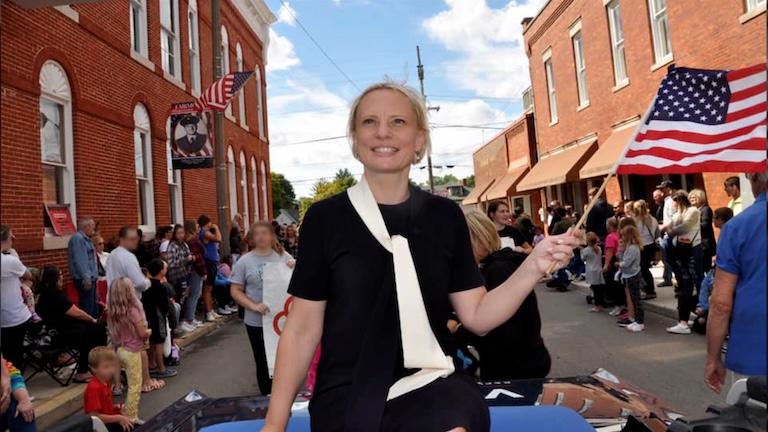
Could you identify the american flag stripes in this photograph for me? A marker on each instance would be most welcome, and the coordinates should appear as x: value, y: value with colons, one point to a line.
x: 703, y: 121
x: 220, y: 93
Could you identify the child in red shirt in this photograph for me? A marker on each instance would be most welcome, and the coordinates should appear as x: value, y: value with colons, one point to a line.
x: 98, y: 394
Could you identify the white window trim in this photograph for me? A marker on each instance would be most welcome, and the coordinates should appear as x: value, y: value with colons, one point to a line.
x: 752, y: 12
x: 176, y: 42
x: 241, y: 96
x: 549, y: 74
x: 143, y: 49
x: 618, y: 82
x: 141, y: 124
x: 174, y: 179
x: 659, y: 60
x: 264, y: 201
x: 225, y: 66
x: 244, y: 187
x: 232, y: 182
x: 68, y: 12
x: 581, y: 74
x: 255, y: 187
x: 54, y: 86
x: 147, y: 63
x: 260, y: 104
x: 193, y: 41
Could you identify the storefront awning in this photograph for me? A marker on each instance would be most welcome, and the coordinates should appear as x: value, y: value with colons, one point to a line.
x: 477, y: 192
x: 608, y: 153
x: 558, y: 168
x: 504, y: 186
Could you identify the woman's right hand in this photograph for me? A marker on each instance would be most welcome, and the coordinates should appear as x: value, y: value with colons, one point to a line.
x: 261, y: 308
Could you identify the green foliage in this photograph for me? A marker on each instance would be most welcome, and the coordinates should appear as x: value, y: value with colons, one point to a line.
x: 444, y: 180
x: 470, y: 181
x: 322, y: 189
x: 283, y: 195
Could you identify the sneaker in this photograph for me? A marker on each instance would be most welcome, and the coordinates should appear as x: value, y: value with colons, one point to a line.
x: 232, y: 308
x: 624, y: 322
x: 186, y: 327
x: 223, y: 311
x: 623, y: 315
x: 665, y: 284
x: 211, y: 316
x: 168, y: 373
x: 197, y: 323
x: 596, y: 309
x: 679, y: 328
x: 616, y: 311
x: 635, y: 327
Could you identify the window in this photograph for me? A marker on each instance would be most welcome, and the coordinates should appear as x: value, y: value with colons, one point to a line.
x: 139, y: 27
x: 142, y: 151
x: 259, y: 103
x: 174, y: 183
x: 255, y: 187
x: 244, y: 187
x: 240, y: 97
x: 194, y: 46
x: 581, y: 67
x: 225, y: 62
x: 56, y: 148
x: 232, y: 177
x: 755, y: 4
x: 662, y: 47
x: 617, y: 44
x: 169, y: 37
x: 550, y: 75
x: 264, y: 202
x: 528, y: 100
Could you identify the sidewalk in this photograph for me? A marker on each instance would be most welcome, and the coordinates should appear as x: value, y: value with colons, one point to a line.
x: 54, y: 403
x: 664, y: 304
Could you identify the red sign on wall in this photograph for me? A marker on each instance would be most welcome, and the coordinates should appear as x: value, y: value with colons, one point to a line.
x: 60, y: 219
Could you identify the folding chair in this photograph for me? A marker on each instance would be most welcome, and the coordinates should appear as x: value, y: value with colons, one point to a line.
x: 42, y: 352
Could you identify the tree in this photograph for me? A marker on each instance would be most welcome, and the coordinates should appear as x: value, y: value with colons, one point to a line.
x: 283, y: 196
x: 470, y: 181
x: 444, y: 180
x: 322, y: 189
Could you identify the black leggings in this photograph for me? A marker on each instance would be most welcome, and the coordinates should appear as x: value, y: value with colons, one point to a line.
x: 13, y: 343
x: 83, y: 337
x: 256, y: 336
x: 647, y: 256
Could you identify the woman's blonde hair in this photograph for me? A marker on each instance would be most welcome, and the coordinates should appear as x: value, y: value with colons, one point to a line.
x: 641, y: 212
x: 593, y: 241
x: 417, y: 103
x: 482, y: 231
x: 630, y: 236
x: 698, y: 194
x: 276, y: 246
x: 122, y: 298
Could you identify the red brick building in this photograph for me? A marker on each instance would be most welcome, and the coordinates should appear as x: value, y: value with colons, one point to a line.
x: 86, y: 93
x: 595, y: 66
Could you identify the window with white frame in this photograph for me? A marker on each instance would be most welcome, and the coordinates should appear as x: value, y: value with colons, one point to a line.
x: 138, y: 20
x: 264, y: 202
x: 617, y: 43
x: 581, y: 67
x: 142, y: 151
x: 169, y: 37
x: 232, y: 180
x: 755, y: 4
x: 259, y: 102
x: 244, y: 187
x: 255, y: 187
x: 550, y: 76
x: 240, y: 96
x: 194, y: 46
x: 225, y: 62
x: 662, y: 46
x: 174, y: 183
x: 56, y: 143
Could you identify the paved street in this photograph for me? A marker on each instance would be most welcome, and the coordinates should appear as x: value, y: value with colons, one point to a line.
x: 220, y: 364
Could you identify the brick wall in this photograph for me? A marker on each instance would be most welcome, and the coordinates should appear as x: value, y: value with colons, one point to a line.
x: 490, y: 160
x: 106, y: 84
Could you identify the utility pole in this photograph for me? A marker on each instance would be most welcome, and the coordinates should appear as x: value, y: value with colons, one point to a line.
x: 222, y: 201
x: 420, y: 70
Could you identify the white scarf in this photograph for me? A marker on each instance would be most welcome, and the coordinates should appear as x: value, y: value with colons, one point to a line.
x: 421, y: 349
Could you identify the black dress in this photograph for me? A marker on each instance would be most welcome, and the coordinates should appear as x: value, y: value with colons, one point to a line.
x: 344, y: 265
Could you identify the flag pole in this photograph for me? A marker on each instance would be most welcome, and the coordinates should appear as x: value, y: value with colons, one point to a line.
x: 222, y: 197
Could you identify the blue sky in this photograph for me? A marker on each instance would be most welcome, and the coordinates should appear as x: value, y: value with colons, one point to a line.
x: 474, y: 63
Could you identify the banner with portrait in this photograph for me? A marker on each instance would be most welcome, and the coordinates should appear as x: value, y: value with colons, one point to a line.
x: 191, y: 143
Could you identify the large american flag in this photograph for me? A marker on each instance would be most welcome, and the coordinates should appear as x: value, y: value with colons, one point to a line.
x: 220, y: 93
x: 703, y: 121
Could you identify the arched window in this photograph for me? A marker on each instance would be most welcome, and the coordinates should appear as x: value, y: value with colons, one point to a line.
x: 194, y: 46
x: 240, y: 97
x: 225, y: 62
x: 142, y: 151
x: 259, y: 102
x: 264, y: 201
x: 56, y: 153
x: 232, y: 177
x: 174, y: 182
x: 255, y: 187
x: 244, y: 187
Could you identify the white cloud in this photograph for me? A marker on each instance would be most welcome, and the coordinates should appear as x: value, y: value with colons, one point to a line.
x: 287, y: 14
x: 281, y: 54
x: 488, y: 42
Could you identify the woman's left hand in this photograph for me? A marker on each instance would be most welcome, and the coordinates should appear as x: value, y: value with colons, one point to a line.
x: 291, y: 263
x: 555, y: 252
x: 26, y: 410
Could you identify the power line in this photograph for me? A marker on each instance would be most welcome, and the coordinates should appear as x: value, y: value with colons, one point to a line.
x: 338, y: 68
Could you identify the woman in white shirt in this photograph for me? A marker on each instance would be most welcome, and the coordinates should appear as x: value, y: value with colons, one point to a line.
x: 14, y: 314
x: 648, y: 227
x: 101, y: 255
x: 685, y: 235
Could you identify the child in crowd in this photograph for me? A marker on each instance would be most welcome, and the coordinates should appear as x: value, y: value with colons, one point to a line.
x: 699, y: 323
x: 28, y: 293
x: 591, y: 255
x: 538, y: 235
x: 157, y: 307
x: 128, y: 329
x: 98, y: 395
x: 613, y: 292
x: 629, y: 267
x: 221, y: 287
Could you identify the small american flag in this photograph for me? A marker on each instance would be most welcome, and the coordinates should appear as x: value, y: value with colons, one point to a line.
x: 220, y: 93
x: 703, y: 121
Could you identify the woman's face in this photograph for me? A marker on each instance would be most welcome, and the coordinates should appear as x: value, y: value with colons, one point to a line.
x: 501, y: 216
x: 180, y: 234
x: 387, y: 136
x: 168, y: 235
x: 694, y: 200
x: 262, y: 238
x: 99, y: 245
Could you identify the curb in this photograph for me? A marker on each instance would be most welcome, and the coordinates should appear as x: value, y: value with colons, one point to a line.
x: 69, y: 401
x: 650, y: 306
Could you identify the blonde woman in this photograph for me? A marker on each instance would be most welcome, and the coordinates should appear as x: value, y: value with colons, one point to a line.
x: 385, y: 367
x: 648, y: 228
x: 698, y: 199
x: 521, y: 334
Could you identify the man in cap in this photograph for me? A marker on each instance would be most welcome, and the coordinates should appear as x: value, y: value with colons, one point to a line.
x: 668, y: 212
x: 192, y: 142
